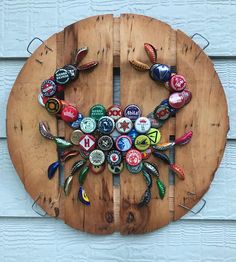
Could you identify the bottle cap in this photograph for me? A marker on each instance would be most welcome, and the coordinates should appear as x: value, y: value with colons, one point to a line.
x: 88, y: 125
x: 97, y: 111
x: 69, y: 114
x: 106, y: 125
x: 123, y: 143
x: 115, y: 112
x: 133, y: 112
x: 142, y: 142
x: 87, y: 142
x: 142, y: 125
x: 133, y: 157
x: 124, y: 125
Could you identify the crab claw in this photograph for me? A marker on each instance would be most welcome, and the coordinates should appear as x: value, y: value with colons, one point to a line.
x: 139, y: 65
x: 88, y: 66
x: 81, y: 53
x: 178, y: 171
x: 151, y: 52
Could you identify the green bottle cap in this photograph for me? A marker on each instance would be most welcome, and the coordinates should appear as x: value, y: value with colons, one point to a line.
x: 97, y: 111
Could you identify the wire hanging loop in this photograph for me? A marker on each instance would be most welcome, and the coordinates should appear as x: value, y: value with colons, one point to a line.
x: 205, y: 46
x: 35, y: 207
x: 189, y: 209
x: 30, y: 43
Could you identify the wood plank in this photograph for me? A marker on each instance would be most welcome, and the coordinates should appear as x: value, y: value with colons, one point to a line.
x: 135, y: 30
x: 23, y: 20
x: 225, y: 68
x: 206, y: 116
x: 91, y: 88
x: 31, y: 154
x: 52, y: 240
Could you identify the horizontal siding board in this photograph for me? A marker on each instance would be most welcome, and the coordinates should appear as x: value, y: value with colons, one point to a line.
x: 45, y: 239
x: 225, y: 68
x: 221, y: 204
x: 23, y: 20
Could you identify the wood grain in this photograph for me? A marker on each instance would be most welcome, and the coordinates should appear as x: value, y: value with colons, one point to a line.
x: 91, y: 88
x: 31, y: 154
x: 137, y: 87
x: 206, y: 116
x: 130, y: 32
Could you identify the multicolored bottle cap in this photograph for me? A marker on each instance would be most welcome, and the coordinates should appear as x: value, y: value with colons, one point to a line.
x: 106, y: 125
x: 187, y: 95
x: 134, y: 169
x: 133, y: 112
x: 114, y: 157
x: 105, y: 143
x: 133, y: 134
x: 69, y: 114
x: 124, y: 125
x: 84, y: 153
x: 97, y: 111
x: 172, y: 110
x: 123, y: 143
x: 42, y: 99
x: 75, y: 137
x: 87, y: 142
x: 88, y: 125
x: 76, y: 123
x: 177, y: 83
x: 176, y: 100
x: 160, y: 72
x: 162, y: 112
x: 146, y: 154
x: 154, y: 135
x: 115, y: 112
x: 142, y: 142
x: 117, y: 169
x: 133, y: 157
x: 97, y: 169
x: 62, y: 76
x: 48, y: 88
x: 72, y: 71
x: 97, y: 157
x: 53, y: 105
x: 156, y: 123
x: 142, y: 125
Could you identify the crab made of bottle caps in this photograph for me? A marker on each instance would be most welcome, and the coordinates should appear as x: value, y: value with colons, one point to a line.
x: 114, y: 136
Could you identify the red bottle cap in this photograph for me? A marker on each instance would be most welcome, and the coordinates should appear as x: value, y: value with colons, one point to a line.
x: 87, y: 142
x: 133, y: 157
x: 177, y: 83
x: 176, y: 100
x: 187, y: 96
x: 69, y: 114
x: 115, y: 112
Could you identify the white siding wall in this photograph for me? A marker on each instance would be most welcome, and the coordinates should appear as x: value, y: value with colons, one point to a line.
x: 208, y: 236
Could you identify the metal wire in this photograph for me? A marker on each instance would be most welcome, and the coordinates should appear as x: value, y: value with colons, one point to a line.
x: 30, y: 43
x: 202, y: 49
x: 189, y: 209
x: 35, y: 207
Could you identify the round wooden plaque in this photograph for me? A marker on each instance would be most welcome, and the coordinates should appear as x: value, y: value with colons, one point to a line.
x: 113, y: 41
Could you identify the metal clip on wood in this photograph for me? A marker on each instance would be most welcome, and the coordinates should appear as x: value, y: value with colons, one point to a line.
x: 30, y: 43
x: 207, y: 43
x: 189, y: 209
x: 35, y: 207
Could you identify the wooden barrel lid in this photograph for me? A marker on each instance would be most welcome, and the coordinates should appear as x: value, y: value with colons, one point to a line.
x: 113, y: 41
